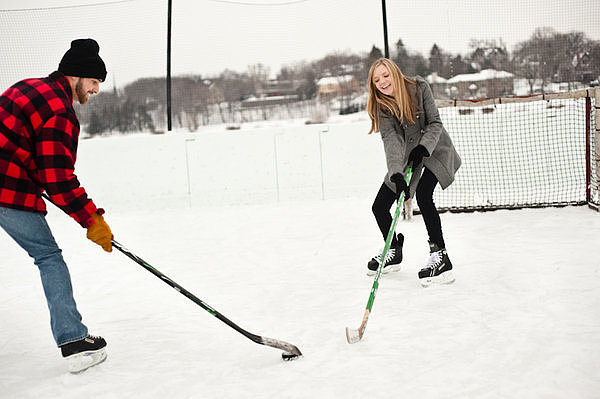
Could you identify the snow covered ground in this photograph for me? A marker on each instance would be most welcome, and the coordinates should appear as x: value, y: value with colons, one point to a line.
x: 522, y: 319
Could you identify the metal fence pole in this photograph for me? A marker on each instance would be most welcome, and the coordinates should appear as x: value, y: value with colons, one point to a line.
x: 169, y: 126
x: 385, y: 34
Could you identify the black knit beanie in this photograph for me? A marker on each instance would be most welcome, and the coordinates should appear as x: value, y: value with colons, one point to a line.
x: 82, y: 60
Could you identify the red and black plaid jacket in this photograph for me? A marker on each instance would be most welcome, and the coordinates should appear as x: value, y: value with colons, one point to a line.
x: 38, y: 144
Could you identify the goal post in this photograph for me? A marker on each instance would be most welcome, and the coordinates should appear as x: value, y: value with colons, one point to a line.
x: 596, y: 110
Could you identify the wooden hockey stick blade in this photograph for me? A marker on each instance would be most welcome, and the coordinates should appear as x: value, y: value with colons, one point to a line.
x: 291, y: 351
x: 352, y: 335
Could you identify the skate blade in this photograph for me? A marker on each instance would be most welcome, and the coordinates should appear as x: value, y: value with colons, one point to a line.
x: 386, y: 270
x: 444, y: 278
x: 84, y: 360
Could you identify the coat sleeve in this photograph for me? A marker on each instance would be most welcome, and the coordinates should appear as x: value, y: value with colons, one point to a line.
x: 433, y: 122
x: 55, y: 159
x: 394, y: 144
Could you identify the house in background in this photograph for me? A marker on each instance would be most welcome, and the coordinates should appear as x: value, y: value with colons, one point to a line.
x: 487, y: 83
x: 275, y: 88
x: 334, y: 86
x: 273, y: 92
x: 438, y: 85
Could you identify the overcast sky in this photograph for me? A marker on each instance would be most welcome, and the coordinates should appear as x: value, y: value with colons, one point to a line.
x: 211, y: 35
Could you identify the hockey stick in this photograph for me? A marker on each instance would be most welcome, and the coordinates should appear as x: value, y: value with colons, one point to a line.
x: 291, y: 351
x: 352, y: 335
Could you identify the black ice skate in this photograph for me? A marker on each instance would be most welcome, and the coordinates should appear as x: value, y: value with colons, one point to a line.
x: 84, y: 353
x: 438, y: 269
x: 393, y: 257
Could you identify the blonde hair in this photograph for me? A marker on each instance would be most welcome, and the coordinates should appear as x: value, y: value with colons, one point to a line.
x: 400, y: 104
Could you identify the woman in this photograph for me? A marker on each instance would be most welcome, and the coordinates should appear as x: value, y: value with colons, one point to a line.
x: 403, y: 111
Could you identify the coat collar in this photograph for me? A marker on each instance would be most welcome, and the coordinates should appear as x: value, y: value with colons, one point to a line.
x: 62, y: 81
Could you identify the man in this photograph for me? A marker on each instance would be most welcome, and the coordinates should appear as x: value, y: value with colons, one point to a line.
x: 38, y: 143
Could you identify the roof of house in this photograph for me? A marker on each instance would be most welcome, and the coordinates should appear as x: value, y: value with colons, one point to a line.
x: 334, y: 80
x: 435, y: 78
x: 485, y: 74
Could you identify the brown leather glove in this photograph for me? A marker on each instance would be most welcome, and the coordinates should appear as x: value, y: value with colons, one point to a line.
x: 100, y: 233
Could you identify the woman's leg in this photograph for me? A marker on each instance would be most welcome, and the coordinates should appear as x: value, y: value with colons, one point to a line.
x: 381, y: 209
x: 427, y: 207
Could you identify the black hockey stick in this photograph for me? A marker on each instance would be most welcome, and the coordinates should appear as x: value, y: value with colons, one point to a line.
x: 291, y: 351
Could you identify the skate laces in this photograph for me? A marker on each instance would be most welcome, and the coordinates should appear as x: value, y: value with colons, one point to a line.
x: 435, y: 259
x: 388, y: 256
x: 92, y: 339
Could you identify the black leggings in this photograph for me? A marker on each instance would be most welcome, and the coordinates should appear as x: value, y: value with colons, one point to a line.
x: 386, y: 197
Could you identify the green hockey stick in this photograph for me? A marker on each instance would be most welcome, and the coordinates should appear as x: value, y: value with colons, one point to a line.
x: 352, y: 335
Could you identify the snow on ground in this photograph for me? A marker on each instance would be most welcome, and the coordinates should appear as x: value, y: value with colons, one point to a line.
x: 522, y: 319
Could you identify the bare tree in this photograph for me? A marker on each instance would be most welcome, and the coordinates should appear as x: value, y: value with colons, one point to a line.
x: 549, y: 56
x: 577, y: 61
x: 536, y: 59
x: 489, y: 54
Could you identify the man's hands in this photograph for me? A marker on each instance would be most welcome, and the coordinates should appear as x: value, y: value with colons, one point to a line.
x: 100, y: 233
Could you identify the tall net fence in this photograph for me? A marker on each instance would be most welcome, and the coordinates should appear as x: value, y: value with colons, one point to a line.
x: 132, y: 38
x: 528, y: 153
x: 253, y: 60
x: 523, y: 152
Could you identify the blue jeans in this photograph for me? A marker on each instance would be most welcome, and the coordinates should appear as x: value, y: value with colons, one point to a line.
x: 31, y: 231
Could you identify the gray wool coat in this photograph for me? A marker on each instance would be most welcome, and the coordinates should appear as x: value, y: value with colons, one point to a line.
x: 400, y: 138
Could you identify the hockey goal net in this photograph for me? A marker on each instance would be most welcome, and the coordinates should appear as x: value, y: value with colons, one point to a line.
x: 517, y: 152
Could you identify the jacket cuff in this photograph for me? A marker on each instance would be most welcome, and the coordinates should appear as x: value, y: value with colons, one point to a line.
x: 86, y: 224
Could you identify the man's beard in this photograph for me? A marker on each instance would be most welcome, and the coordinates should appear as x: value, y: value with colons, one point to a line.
x: 82, y: 95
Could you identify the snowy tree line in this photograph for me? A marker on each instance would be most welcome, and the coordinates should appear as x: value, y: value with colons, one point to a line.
x: 547, y: 56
